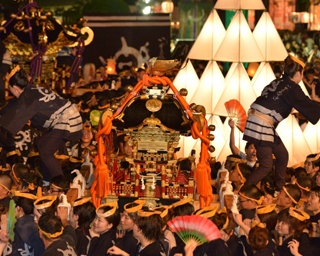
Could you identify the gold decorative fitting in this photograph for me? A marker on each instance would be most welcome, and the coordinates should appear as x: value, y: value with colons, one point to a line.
x: 152, y: 121
x: 158, y: 67
x: 154, y: 105
x: 13, y: 71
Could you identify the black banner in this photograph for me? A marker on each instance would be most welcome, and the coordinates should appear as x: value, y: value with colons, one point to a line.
x: 131, y: 40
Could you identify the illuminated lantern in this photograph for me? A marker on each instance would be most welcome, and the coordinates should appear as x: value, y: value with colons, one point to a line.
x: 167, y: 6
x: 252, y: 68
x: 111, y: 66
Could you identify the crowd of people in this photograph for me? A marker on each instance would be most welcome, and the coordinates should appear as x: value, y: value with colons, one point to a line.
x: 260, y: 222
x: 305, y: 46
x: 263, y: 207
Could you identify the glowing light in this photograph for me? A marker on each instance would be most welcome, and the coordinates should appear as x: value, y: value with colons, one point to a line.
x: 146, y: 10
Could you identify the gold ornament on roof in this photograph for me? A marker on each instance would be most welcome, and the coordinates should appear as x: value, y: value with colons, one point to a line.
x: 153, y: 105
x: 46, y: 29
x: 160, y: 67
x: 13, y: 72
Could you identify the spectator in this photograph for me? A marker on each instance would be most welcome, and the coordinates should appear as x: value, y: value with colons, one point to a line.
x: 103, y: 233
x: 289, y: 196
x: 128, y: 243
x: 313, y: 205
x: 292, y: 227
x: 57, y: 234
x: 26, y: 237
x: 250, y: 150
x: 81, y: 217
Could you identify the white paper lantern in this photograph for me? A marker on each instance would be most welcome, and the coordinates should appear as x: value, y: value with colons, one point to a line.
x: 167, y: 6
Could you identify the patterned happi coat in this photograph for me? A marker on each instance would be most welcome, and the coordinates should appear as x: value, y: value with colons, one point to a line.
x: 45, y: 109
x: 277, y: 101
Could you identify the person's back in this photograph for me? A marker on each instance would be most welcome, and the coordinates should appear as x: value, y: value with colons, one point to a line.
x: 274, y: 105
x: 61, y: 247
x: 148, y: 230
x: 34, y: 100
x: 58, y: 240
x: 26, y: 236
x: 57, y: 117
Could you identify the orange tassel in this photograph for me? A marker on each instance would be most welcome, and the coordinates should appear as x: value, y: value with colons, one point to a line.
x: 103, y: 182
x: 202, y: 179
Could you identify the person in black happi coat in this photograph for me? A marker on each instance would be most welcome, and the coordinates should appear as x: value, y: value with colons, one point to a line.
x: 274, y: 105
x: 57, y: 117
x: 57, y: 234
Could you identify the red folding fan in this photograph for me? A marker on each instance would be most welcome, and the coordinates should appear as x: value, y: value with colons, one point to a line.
x: 237, y: 113
x: 194, y: 227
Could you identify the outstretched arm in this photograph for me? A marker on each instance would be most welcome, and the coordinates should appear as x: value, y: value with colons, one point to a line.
x: 244, y: 228
x: 233, y: 147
